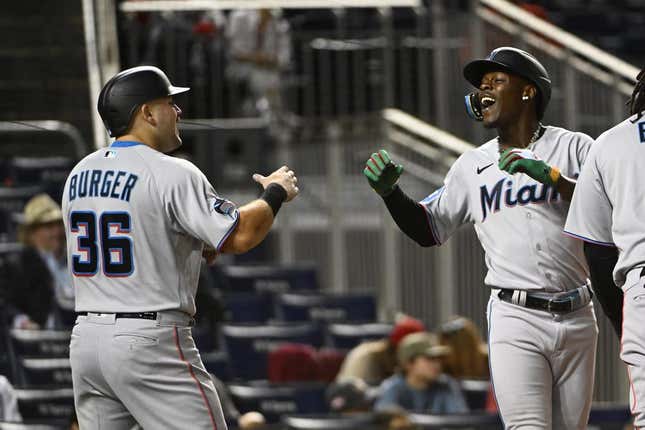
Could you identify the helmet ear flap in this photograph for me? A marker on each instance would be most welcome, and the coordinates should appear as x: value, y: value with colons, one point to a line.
x: 473, y: 106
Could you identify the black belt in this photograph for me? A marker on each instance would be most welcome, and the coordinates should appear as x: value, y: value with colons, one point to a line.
x: 562, y: 303
x: 133, y: 315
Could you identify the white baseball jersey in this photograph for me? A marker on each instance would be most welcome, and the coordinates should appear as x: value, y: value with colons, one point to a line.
x: 607, y: 206
x: 517, y: 219
x: 136, y: 221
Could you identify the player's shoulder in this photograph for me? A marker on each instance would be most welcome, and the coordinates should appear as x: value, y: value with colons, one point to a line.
x: 629, y: 131
x: 174, y: 170
x: 477, y: 155
x: 563, y: 136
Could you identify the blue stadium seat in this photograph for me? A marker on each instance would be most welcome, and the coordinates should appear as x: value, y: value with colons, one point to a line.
x: 40, y: 343
x: 49, y: 172
x: 45, y: 404
x: 476, y: 393
x: 46, y: 372
x: 247, y: 307
x: 326, y: 307
x: 610, y: 416
x: 12, y: 202
x: 347, y: 336
x: 331, y: 422
x: 274, y: 400
x: 217, y: 363
x: 248, y: 345
x: 273, y: 279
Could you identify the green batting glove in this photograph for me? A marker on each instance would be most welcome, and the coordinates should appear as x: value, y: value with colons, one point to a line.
x: 382, y: 173
x: 524, y: 161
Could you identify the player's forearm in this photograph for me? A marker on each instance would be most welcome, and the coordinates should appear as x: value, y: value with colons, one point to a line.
x: 565, y: 187
x: 410, y: 217
x: 601, y: 261
x: 255, y: 221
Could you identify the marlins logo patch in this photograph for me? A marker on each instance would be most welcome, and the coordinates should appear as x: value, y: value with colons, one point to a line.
x: 223, y: 206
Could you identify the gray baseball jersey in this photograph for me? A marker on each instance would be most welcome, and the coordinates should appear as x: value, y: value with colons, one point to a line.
x: 607, y: 209
x: 136, y: 221
x: 519, y: 224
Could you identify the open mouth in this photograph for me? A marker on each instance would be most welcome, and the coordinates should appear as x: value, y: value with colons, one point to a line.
x: 487, y: 101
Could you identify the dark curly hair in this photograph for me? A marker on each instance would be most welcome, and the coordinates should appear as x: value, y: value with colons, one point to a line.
x: 636, y: 102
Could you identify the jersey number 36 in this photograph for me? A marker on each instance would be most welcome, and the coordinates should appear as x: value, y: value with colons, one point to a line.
x: 97, y: 242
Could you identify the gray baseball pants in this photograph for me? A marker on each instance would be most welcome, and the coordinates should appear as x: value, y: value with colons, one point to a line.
x: 542, y: 365
x: 136, y: 371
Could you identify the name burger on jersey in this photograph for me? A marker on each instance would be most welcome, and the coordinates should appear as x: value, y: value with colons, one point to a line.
x: 102, y: 183
x: 535, y: 193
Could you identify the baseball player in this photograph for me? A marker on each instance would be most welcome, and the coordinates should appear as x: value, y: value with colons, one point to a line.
x: 514, y: 189
x: 136, y: 222
x: 607, y: 213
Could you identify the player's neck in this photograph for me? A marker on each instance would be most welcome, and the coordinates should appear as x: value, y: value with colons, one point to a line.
x: 518, y: 134
x: 136, y: 137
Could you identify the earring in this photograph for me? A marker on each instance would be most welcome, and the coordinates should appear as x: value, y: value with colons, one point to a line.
x: 525, y: 98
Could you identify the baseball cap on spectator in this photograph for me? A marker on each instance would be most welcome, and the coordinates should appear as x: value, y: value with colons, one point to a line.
x: 416, y: 344
x: 404, y: 326
x: 347, y: 396
x: 40, y: 209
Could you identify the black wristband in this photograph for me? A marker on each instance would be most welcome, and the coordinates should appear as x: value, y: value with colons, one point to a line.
x: 274, y: 195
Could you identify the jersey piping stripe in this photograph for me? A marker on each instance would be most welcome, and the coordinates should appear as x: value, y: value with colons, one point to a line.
x: 192, y: 374
x: 228, y: 233
x: 124, y: 143
x: 586, y: 239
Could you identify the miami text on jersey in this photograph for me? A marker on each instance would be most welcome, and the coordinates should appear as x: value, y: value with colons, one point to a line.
x: 534, y: 193
x: 102, y: 183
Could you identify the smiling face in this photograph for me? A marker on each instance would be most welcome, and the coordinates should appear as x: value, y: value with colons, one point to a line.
x: 501, y: 97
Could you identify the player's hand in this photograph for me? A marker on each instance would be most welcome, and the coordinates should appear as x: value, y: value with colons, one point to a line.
x: 382, y: 173
x: 515, y: 160
x: 284, y: 177
x: 251, y: 420
x: 210, y: 254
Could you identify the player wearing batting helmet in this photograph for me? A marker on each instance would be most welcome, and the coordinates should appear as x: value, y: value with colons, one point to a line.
x: 136, y: 222
x: 515, y: 190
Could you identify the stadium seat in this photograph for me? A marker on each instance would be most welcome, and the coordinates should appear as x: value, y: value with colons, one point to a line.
x: 330, y: 422
x: 217, y: 363
x: 248, y: 345
x: 347, y: 336
x: 476, y: 393
x: 273, y: 279
x: 40, y: 343
x: 49, y: 172
x: 45, y: 404
x: 609, y: 416
x: 247, y: 307
x: 273, y: 401
x: 481, y: 421
x: 12, y: 202
x: 44, y: 372
x: 326, y: 307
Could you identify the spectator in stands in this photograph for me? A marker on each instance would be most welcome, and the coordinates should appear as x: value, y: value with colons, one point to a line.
x: 348, y: 397
x: 249, y: 420
x: 8, y: 402
x: 41, y: 293
x: 421, y: 387
x: 375, y: 361
x: 468, y: 356
x: 259, y: 49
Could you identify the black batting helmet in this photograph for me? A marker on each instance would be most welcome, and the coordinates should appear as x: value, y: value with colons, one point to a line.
x: 129, y: 89
x: 517, y: 62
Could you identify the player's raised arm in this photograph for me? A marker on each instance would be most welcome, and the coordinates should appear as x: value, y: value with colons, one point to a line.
x: 256, y: 217
x: 382, y: 175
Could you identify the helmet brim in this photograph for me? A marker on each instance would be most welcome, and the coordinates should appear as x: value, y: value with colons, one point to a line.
x: 475, y: 70
x: 172, y: 90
